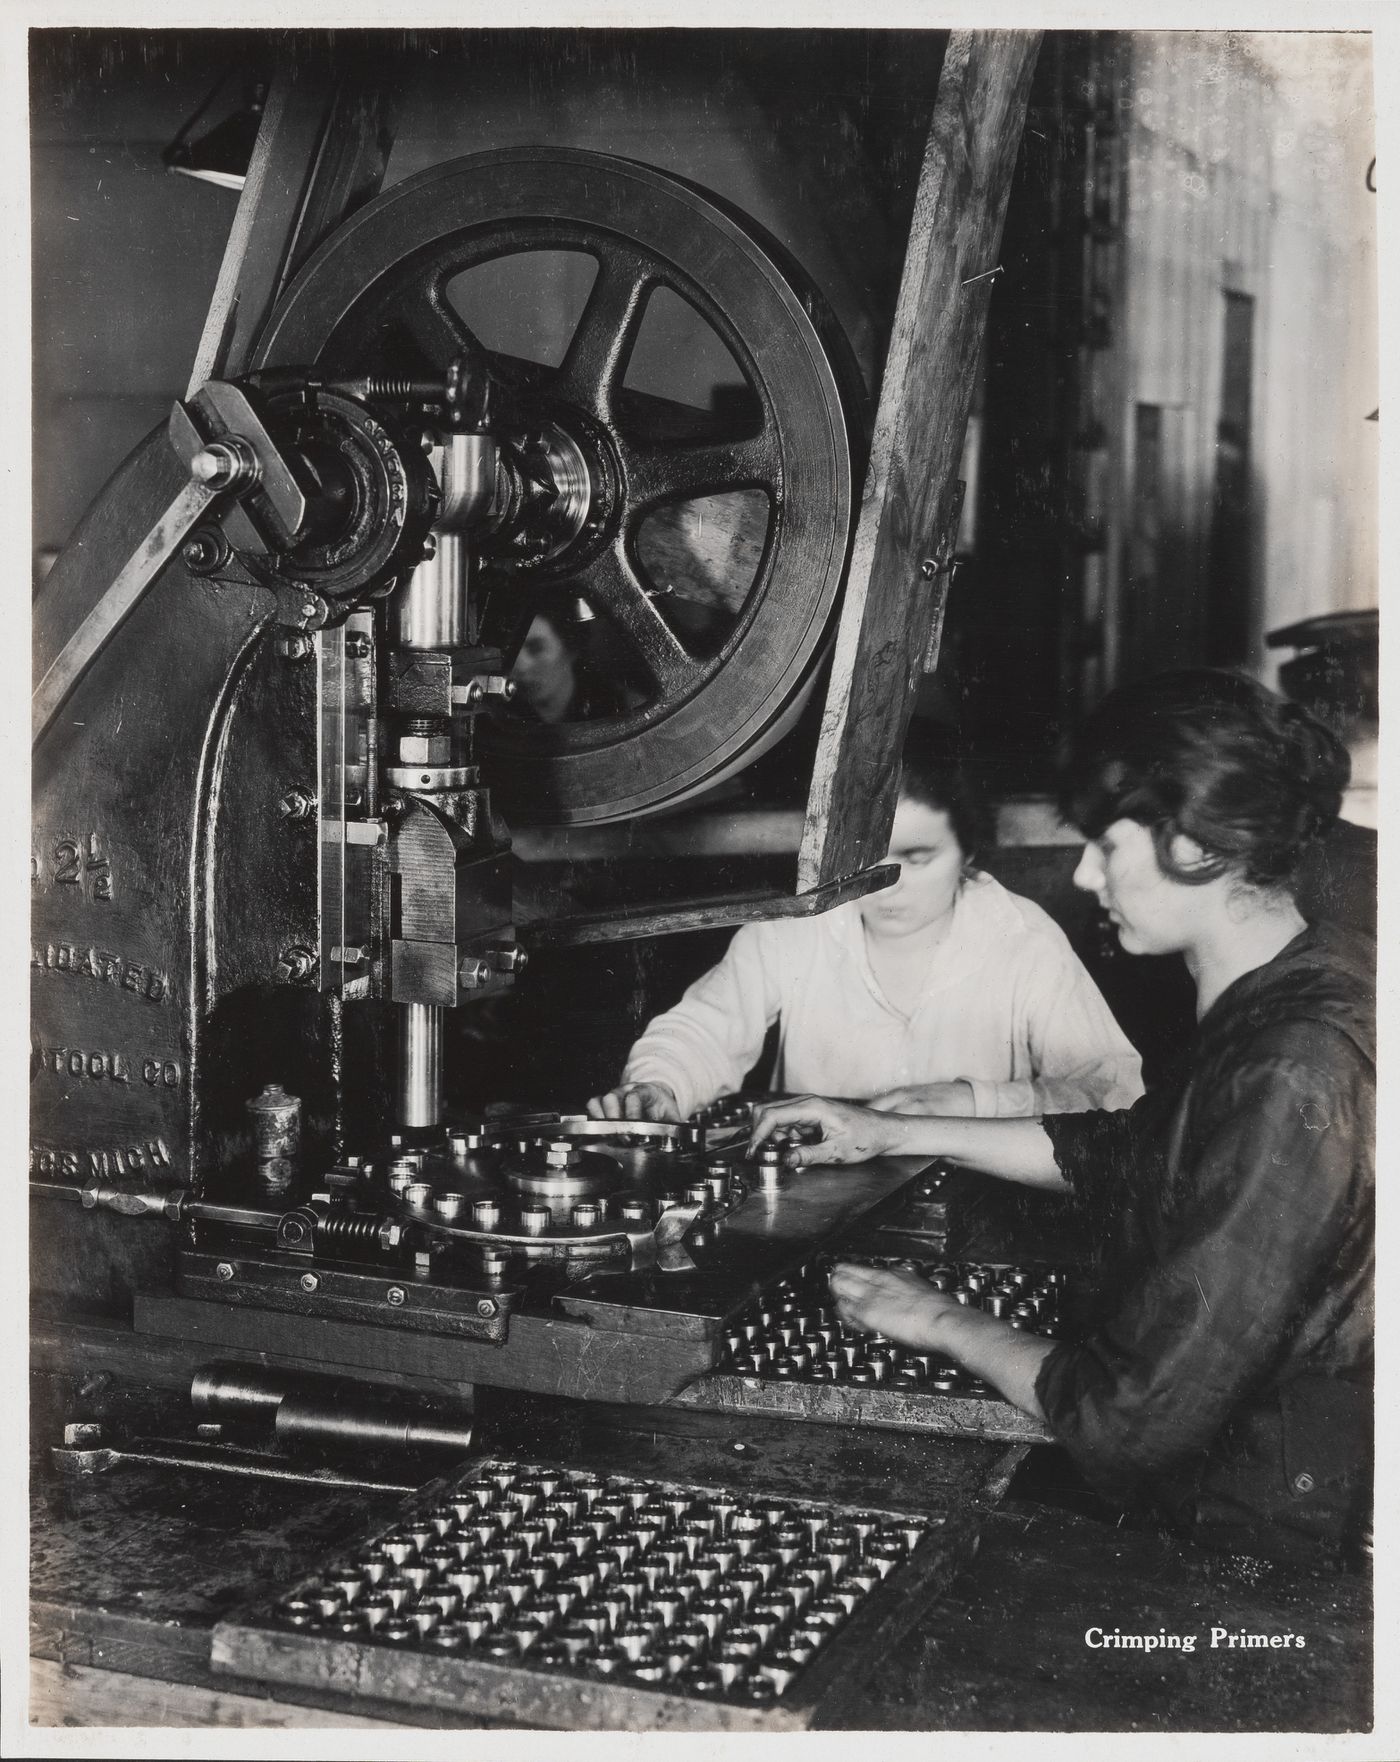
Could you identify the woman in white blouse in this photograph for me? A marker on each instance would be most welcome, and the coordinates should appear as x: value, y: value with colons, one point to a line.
x: 943, y: 994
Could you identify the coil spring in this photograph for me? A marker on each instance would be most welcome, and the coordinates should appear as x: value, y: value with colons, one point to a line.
x: 394, y: 388
x: 347, y: 1232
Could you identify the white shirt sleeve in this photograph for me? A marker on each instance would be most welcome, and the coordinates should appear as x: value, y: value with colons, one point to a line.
x: 707, y: 1044
x: 1081, y: 1058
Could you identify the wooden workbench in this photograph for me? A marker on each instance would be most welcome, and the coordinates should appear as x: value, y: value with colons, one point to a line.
x: 132, y: 1571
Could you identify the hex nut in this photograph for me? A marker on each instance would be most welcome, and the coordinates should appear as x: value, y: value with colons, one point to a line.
x: 396, y: 1296
x: 425, y: 749
x: 309, y: 1283
x: 485, y: 1308
x: 224, y: 1270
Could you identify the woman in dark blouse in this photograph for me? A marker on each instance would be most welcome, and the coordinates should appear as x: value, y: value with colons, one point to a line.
x: 1229, y: 1378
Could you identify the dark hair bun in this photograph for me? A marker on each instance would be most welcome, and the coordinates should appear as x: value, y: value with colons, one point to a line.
x: 1251, y: 778
x: 1324, y: 765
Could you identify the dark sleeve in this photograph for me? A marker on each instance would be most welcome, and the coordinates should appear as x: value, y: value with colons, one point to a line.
x: 1273, y: 1184
x: 1106, y: 1157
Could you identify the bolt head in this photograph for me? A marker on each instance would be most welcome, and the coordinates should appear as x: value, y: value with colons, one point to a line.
x: 473, y: 973
x: 396, y: 1296
x: 485, y: 1308
x: 298, y: 646
x: 202, y: 553
x: 296, y: 963
x: 309, y: 1283
x: 224, y: 1270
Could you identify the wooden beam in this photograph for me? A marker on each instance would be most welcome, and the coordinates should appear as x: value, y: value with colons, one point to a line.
x: 895, y: 593
x: 321, y: 152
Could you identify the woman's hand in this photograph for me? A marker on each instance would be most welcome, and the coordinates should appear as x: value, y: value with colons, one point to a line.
x: 814, y: 1130
x: 900, y: 1305
x: 944, y: 1099
x: 636, y: 1101
x: 880, y: 1300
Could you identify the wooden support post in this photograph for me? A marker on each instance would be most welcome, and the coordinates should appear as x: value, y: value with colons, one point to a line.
x: 321, y: 152
x: 896, y: 589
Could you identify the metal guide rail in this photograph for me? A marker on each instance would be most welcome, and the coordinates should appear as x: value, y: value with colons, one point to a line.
x: 569, y: 1598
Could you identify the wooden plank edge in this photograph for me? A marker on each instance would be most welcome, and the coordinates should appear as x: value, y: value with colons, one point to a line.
x: 561, y: 1702
x: 77, y: 1695
x: 826, y: 1404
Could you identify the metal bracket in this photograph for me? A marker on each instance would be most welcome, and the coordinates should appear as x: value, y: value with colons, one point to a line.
x: 943, y: 562
x: 220, y: 412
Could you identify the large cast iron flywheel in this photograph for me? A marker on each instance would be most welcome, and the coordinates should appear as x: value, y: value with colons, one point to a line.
x: 719, y: 494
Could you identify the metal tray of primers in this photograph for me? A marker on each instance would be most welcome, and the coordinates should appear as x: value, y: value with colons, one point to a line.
x: 788, y: 1354
x: 564, y: 1598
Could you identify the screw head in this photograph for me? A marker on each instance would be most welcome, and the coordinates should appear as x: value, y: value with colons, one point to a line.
x: 224, y: 1270
x: 295, y: 963
x: 485, y: 1308
x: 1303, y: 1483
x: 203, y: 553
x: 309, y: 1283
x: 296, y: 804
x: 473, y: 973
x: 299, y: 646
x: 396, y: 1296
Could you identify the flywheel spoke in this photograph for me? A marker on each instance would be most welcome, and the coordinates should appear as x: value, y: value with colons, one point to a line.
x: 683, y: 473
x: 438, y: 331
x: 612, y: 581
x: 595, y: 362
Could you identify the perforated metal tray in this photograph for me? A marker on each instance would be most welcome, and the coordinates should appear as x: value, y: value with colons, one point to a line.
x: 563, y: 1598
